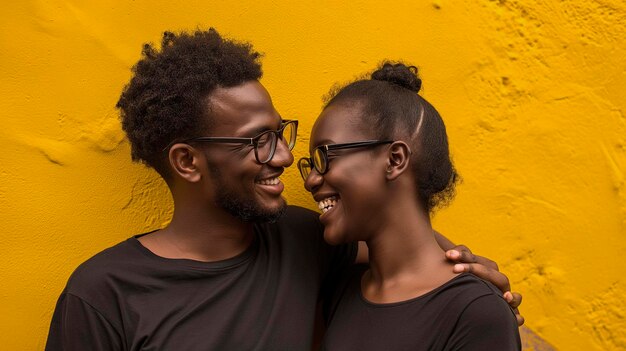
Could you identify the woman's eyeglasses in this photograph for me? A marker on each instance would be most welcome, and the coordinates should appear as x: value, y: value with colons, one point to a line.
x: 319, y: 158
x: 264, y: 144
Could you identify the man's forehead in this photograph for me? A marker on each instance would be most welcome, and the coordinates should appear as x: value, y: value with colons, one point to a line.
x: 251, y: 93
x: 242, y: 109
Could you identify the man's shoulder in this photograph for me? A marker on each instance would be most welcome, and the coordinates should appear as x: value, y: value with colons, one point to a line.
x: 94, y: 273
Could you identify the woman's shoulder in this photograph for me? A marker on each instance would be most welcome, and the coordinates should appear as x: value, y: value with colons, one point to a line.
x: 471, y: 298
x: 486, y: 321
x: 471, y: 287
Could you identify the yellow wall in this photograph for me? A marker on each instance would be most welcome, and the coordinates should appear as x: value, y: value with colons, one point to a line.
x: 533, y: 94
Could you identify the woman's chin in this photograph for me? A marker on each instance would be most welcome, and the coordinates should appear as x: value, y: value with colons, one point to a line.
x: 333, y: 238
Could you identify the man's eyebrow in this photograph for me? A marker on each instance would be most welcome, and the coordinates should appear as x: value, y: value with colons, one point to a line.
x: 258, y: 130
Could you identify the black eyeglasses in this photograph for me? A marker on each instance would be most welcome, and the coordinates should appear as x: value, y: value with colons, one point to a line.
x: 319, y: 157
x: 264, y: 144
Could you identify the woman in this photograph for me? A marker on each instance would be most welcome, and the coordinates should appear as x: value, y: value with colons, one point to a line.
x: 379, y: 166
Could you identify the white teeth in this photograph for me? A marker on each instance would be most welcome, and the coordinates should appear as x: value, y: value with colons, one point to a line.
x: 326, y: 204
x: 271, y: 181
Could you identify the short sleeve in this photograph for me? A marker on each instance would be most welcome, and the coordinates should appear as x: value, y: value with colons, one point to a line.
x: 487, y: 323
x: 78, y: 326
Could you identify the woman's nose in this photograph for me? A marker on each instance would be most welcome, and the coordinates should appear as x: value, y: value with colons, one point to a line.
x: 313, y: 180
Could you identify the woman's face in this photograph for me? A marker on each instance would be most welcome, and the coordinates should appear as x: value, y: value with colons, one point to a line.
x: 351, y: 192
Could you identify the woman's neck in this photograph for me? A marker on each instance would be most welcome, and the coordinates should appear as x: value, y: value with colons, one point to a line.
x: 405, y: 259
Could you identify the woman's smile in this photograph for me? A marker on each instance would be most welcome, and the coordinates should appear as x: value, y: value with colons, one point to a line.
x: 327, y: 204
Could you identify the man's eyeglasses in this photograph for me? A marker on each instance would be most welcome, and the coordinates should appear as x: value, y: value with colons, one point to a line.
x: 264, y: 144
x: 319, y: 158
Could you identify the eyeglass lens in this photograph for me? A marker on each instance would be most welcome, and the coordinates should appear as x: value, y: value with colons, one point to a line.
x: 319, y: 163
x: 319, y: 160
x: 304, y: 167
x: 266, y: 142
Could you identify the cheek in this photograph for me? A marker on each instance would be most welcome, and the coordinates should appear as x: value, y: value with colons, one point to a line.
x: 356, y: 175
x: 242, y: 170
x: 360, y: 189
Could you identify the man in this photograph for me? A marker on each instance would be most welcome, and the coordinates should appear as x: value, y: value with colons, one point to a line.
x: 236, y: 269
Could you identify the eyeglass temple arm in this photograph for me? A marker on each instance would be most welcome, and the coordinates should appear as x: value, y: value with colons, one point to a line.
x: 246, y: 141
x: 354, y: 145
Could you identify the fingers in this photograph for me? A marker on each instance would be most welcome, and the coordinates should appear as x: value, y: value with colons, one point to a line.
x: 514, y: 299
x: 489, y: 274
x: 520, y: 319
x: 461, y: 253
x: 487, y: 262
x: 518, y: 316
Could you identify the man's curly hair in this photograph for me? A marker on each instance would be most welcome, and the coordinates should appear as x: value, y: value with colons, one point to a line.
x: 166, y: 99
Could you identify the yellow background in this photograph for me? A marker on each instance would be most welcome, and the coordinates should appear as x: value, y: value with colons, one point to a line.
x: 533, y: 94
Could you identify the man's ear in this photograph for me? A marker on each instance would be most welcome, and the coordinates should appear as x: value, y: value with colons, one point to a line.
x: 398, y: 159
x: 186, y: 162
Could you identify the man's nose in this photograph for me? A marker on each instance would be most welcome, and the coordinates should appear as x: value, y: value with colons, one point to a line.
x: 282, y: 156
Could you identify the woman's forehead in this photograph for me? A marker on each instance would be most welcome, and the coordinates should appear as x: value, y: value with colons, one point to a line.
x: 336, y: 124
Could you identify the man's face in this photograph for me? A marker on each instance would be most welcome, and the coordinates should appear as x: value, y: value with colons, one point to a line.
x: 241, y: 185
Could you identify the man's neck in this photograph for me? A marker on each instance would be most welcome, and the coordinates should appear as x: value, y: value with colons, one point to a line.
x: 201, y: 234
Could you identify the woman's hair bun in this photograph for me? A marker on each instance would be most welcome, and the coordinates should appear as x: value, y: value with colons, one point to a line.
x: 400, y: 74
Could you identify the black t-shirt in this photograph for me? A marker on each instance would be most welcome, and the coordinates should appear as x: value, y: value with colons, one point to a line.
x: 127, y: 298
x: 465, y: 313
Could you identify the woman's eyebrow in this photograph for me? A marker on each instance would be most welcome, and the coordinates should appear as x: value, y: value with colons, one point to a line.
x: 321, y: 143
x: 326, y: 142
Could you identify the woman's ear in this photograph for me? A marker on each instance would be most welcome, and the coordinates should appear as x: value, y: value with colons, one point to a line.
x: 398, y: 160
x: 186, y: 162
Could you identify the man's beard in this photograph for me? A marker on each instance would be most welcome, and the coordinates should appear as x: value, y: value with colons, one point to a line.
x: 245, y: 209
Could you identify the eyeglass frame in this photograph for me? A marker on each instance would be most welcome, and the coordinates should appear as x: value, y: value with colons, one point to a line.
x: 330, y: 147
x: 248, y: 141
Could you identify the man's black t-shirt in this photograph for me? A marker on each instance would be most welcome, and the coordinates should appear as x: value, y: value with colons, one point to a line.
x: 465, y: 313
x: 127, y: 298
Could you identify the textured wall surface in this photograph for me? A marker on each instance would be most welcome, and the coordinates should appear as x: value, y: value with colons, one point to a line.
x: 533, y: 94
